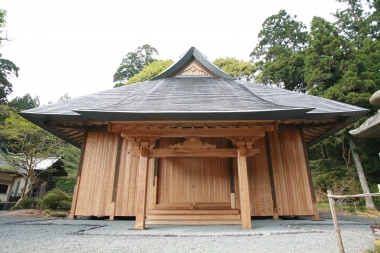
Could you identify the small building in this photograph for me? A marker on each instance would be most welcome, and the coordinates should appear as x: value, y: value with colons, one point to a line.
x: 12, y: 182
x: 194, y: 146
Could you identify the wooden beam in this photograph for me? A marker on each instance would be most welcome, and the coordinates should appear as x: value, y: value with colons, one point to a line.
x: 244, y: 190
x: 77, y: 183
x: 142, y: 181
x: 182, y: 132
x: 165, y: 153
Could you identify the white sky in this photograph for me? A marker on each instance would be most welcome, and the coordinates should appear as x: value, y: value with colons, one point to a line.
x: 75, y: 46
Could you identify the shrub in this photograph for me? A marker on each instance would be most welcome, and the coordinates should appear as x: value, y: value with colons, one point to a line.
x: 28, y: 203
x: 15, y: 208
x: 58, y: 214
x: 57, y: 198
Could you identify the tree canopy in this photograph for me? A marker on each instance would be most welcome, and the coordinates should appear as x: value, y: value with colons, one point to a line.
x: 279, y: 53
x: 133, y: 63
x: 239, y: 69
x: 25, y: 102
x: 151, y: 70
x: 335, y: 60
x: 7, y: 67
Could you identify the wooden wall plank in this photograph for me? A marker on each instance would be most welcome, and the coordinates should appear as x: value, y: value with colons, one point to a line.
x: 77, y: 182
x: 259, y: 181
x: 99, y: 159
x: 290, y: 173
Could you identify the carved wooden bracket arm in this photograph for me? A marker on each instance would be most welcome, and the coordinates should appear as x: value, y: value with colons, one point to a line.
x: 192, y: 143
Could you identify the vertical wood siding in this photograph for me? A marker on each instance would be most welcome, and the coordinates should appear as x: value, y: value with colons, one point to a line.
x: 96, y: 183
x: 290, y: 173
x: 259, y: 181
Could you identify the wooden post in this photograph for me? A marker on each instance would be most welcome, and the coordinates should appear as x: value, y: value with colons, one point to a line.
x: 77, y: 183
x: 244, y: 189
x: 115, y: 179
x: 336, y: 225
x: 142, y: 188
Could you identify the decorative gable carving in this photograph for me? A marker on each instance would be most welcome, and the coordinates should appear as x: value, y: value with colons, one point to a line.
x: 193, y: 69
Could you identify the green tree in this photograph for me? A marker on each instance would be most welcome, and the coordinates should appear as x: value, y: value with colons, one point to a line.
x: 279, y: 53
x: 133, y: 63
x: 25, y: 103
x: 29, y: 146
x: 151, y: 70
x: 342, y: 64
x: 239, y: 69
x: 7, y: 68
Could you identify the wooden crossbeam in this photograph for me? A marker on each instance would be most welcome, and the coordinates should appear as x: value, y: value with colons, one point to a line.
x: 181, y: 132
x: 165, y: 153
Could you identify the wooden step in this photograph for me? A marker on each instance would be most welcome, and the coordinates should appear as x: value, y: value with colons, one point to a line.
x: 196, y: 205
x: 192, y: 211
x: 192, y: 222
x: 193, y: 216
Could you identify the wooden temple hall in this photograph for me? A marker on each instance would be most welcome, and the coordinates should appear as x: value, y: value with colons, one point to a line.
x: 194, y: 146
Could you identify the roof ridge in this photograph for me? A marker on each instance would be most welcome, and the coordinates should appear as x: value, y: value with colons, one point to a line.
x: 192, y: 52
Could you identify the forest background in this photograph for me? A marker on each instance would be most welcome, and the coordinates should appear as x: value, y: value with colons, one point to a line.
x: 337, y: 60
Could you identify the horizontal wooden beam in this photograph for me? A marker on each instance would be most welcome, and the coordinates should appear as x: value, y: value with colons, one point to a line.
x: 182, y: 132
x: 167, y: 153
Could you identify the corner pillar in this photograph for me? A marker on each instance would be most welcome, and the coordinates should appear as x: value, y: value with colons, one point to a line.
x: 245, y: 150
x: 245, y: 207
x: 143, y: 144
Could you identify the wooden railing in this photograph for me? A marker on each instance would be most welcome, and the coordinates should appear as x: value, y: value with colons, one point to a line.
x: 333, y: 213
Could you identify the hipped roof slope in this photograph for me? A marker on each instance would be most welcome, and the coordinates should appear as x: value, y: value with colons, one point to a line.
x: 171, y: 97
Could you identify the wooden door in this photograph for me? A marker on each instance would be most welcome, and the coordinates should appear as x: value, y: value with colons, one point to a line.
x: 193, y: 180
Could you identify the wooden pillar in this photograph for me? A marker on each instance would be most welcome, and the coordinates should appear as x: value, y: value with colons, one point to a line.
x: 142, y: 187
x: 244, y: 189
x: 77, y: 182
x: 115, y: 178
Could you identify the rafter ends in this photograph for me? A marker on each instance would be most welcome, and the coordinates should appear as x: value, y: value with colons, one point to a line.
x: 192, y: 143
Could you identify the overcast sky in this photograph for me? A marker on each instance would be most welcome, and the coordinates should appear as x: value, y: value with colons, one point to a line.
x: 75, y: 46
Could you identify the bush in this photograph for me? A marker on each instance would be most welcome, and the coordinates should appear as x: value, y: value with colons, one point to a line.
x: 58, y: 214
x: 15, y: 208
x: 57, y: 198
x: 28, y: 203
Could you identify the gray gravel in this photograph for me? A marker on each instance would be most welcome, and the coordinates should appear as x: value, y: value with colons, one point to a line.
x: 293, y: 235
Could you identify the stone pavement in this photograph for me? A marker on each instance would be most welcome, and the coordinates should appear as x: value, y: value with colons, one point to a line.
x: 267, y: 235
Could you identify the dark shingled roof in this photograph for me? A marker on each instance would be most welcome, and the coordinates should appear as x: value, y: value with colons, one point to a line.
x: 194, y: 98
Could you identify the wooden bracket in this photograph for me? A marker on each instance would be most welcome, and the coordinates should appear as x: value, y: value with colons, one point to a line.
x: 192, y: 143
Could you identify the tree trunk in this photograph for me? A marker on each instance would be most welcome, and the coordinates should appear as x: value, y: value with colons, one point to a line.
x: 368, y: 200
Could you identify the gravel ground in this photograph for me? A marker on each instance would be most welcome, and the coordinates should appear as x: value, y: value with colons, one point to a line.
x: 37, y: 234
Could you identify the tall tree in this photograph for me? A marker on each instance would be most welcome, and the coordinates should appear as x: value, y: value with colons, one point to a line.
x: 342, y: 64
x: 7, y: 68
x: 239, y: 69
x: 278, y: 54
x: 25, y: 103
x: 133, y: 63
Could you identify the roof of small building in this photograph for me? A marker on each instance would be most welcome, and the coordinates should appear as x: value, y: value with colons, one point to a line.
x: 174, y: 95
